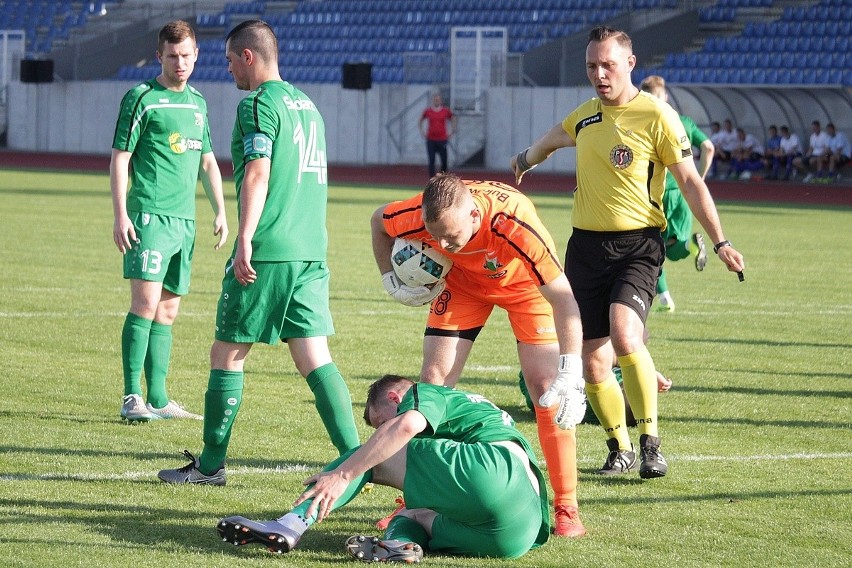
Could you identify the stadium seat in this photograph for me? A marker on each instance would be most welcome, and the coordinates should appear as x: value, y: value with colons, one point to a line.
x: 834, y: 77
x: 756, y: 77
x: 772, y: 76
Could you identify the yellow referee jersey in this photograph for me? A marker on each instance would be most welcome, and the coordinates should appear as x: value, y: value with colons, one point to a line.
x: 622, y: 154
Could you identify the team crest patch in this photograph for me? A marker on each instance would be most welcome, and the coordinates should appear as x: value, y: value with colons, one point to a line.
x: 621, y: 156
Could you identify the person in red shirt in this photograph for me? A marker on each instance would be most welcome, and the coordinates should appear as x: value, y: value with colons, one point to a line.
x: 436, y: 133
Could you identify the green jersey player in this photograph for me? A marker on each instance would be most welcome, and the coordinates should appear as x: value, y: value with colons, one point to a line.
x: 161, y: 145
x: 470, y: 481
x: 276, y: 283
x: 680, y: 241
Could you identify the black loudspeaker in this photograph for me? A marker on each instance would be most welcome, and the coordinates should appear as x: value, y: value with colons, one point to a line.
x: 357, y: 76
x: 36, y: 70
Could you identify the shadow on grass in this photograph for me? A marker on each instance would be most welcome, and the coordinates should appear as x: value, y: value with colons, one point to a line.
x: 741, y: 421
x: 146, y: 527
x: 765, y: 391
x: 726, y: 341
x: 718, y: 496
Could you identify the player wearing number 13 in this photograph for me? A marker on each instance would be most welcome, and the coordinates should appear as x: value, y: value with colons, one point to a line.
x: 276, y: 284
x: 161, y: 145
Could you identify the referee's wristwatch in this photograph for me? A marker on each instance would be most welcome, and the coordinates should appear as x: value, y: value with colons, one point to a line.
x: 718, y: 246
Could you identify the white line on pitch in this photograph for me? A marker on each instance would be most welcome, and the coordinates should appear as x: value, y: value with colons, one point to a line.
x: 301, y: 468
x: 762, y: 457
x: 131, y: 475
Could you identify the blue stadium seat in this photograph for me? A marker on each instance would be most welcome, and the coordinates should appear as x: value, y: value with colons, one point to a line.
x: 795, y: 76
x: 834, y: 77
x: 781, y: 29
x: 772, y: 76
x: 827, y: 44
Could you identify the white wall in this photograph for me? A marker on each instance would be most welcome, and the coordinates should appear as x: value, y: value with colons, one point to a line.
x: 79, y: 117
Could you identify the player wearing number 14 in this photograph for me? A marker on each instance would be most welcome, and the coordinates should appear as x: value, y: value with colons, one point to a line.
x: 275, y: 286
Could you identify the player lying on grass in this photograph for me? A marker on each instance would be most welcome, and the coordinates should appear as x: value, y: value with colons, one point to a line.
x: 468, y: 476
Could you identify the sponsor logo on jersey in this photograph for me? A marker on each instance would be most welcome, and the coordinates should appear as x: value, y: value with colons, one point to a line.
x: 299, y: 104
x: 587, y: 121
x: 621, y: 156
x: 179, y: 144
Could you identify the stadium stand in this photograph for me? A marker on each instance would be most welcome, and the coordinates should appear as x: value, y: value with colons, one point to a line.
x: 318, y: 37
x: 806, y: 45
x: 774, y: 42
x: 48, y: 23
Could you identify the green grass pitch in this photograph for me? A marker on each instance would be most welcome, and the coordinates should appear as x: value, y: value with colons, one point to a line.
x: 756, y: 428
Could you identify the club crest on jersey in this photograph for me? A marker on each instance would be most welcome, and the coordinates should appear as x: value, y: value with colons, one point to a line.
x: 492, y: 264
x: 621, y: 156
x: 199, y: 119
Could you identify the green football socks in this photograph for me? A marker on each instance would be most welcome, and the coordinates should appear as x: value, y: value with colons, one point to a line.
x: 157, y: 363
x: 334, y: 404
x: 640, y: 387
x: 351, y: 492
x: 134, y: 347
x: 406, y: 530
x: 221, y: 404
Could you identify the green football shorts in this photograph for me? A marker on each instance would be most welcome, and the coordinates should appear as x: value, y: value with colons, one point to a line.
x: 288, y: 299
x: 164, y: 251
x: 482, y: 493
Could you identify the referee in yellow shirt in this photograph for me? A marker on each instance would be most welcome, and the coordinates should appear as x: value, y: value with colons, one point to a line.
x: 625, y: 140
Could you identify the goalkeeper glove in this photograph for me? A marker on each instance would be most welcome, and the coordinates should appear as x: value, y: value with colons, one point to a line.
x: 568, y: 391
x: 408, y: 295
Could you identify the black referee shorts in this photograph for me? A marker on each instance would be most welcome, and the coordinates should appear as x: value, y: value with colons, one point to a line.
x: 605, y: 268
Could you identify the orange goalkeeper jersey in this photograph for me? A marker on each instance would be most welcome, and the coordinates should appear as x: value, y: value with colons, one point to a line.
x: 511, y: 248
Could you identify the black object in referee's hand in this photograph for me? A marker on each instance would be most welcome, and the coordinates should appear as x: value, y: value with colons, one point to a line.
x: 741, y: 276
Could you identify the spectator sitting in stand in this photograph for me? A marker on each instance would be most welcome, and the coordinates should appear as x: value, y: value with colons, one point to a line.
x: 790, y: 149
x: 747, y: 156
x: 772, y: 151
x: 838, y: 144
x: 817, y: 155
x: 724, y: 140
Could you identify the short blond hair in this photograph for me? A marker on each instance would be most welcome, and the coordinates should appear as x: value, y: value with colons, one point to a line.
x: 445, y: 191
x: 652, y: 83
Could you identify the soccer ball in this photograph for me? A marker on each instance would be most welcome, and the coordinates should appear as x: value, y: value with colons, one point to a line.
x: 417, y: 264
